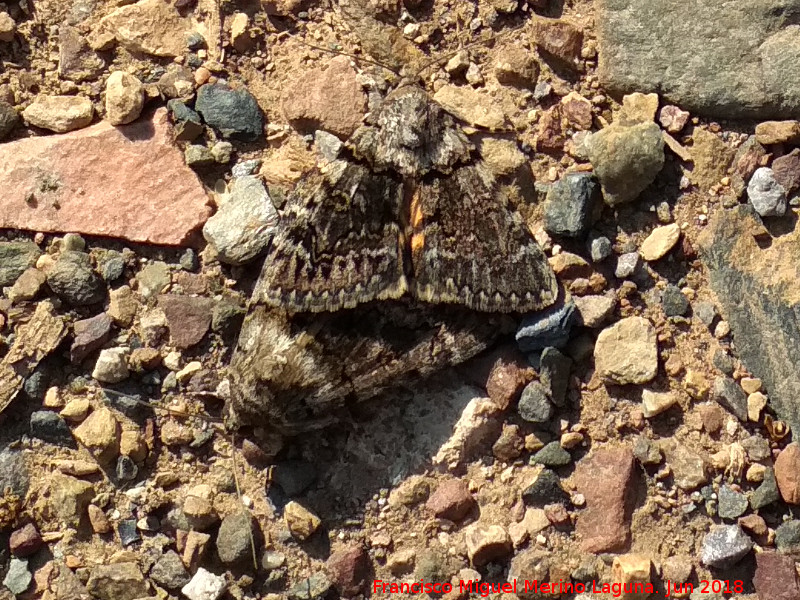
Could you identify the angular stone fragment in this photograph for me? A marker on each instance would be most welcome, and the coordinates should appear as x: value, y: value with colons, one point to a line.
x: 655, y: 403
x: 729, y: 395
x: 7, y: 27
x: 90, y: 334
x: 660, y: 241
x: 189, y: 318
x: 486, y: 543
x: 117, y: 581
x: 124, y: 98
x: 637, y: 108
x: 15, y: 258
x: 69, y: 498
x: 630, y: 570
x: 451, y: 500
x: 300, y: 521
x: 559, y: 39
x: 627, y: 352
x: 100, y: 433
x: 605, y: 523
x: 102, y: 180
x: 232, y: 111
x: 724, y: 546
x: 244, y: 225
x: 76, y: 61
x: 751, y: 71
x: 350, y: 568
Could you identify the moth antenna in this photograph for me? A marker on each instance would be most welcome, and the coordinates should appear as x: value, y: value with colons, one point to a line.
x: 342, y: 53
x: 449, y: 55
x: 166, y: 409
x: 239, y: 496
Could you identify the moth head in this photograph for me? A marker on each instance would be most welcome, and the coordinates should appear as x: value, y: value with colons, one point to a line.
x: 412, y: 135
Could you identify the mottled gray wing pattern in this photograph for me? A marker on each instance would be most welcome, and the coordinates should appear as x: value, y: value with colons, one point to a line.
x: 339, y: 243
x: 470, y: 247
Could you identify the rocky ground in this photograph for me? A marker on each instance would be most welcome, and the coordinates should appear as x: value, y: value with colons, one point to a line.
x: 639, y: 432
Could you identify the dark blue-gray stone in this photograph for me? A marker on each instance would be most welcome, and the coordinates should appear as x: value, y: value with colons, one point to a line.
x: 554, y: 370
x: 36, y: 385
x: 549, y: 327
x: 73, y: 279
x: 728, y: 394
x: 732, y: 504
x: 188, y: 125
x: 294, y: 476
x: 316, y: 586
x: 233, y: 539
x: 571, y: 205
x: 52, y: 428
x: 787, y: 537
x: 169, y: 572
x: 9, y: 119
x: 235, y: 113
x: 673, y: 301
x: 552, y: 455
x: 128, y: 533
x: 15, y: 257
x: 723, y: 362
x: 195, y: 41
x: 13, y: 473
x: 545, y: 489
x: 534, y: 403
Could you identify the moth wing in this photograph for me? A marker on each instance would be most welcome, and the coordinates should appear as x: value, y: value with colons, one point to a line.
x: 339, y: 242
x: 470, y: 247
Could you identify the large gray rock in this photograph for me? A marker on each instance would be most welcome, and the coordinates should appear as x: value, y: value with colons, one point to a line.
x: 676, y: 48
x: 756, y: 284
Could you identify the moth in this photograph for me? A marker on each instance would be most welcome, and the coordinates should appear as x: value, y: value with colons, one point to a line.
x: 399, y: 258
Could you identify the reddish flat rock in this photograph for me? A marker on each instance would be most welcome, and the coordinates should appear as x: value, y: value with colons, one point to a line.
x: 127, y: 182
x: 189, y: 318
x: 775, y: 577
x: 329, y: 99
x: 605, y: 479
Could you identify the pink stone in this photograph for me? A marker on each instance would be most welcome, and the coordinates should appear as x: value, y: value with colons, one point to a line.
x: 331, y: 99
x: 349, y: 568
x: 672, y: 118
x: 127, y: 182
x: 605, y: 478
x: 452, y: 500
x: 775, y: 577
